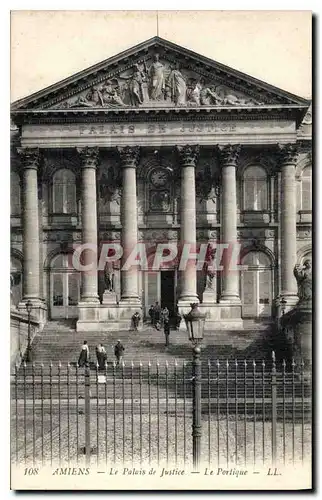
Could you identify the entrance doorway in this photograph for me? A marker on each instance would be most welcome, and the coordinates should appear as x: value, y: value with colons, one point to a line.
x: 64, y: 289
x: 168, y: 290
x: 256, y: 286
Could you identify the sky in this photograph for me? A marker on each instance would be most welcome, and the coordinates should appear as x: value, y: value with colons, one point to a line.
x: 48, y: 46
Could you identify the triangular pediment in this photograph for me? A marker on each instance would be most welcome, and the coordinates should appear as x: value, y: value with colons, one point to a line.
x: 158, y: 74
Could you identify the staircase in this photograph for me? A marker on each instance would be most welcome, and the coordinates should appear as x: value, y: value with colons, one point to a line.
x: 59, y: 341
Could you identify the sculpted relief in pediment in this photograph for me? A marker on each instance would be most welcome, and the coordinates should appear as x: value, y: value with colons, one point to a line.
x: 157, y: 82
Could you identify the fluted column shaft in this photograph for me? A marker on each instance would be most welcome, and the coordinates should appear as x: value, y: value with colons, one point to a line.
x: 230, y: 279
x: 30, y: 162
x: 129, y: 158
x: 188, y: 156
x: 288, y: 158
x: 89, y: 161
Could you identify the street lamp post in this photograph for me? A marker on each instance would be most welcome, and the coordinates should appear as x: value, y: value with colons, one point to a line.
x: 28, y: 352
x: 195, y: 323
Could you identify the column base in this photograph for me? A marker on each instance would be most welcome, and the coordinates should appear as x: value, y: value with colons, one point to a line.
x: 90, y: 299
x: 107, y: 316
x: 109, y: 298
x: 229, y: 299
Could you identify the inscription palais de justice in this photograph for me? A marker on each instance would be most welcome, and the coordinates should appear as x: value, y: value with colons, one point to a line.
x: 155, y: 128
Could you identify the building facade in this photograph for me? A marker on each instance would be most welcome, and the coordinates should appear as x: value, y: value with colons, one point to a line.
x: 159, y: 146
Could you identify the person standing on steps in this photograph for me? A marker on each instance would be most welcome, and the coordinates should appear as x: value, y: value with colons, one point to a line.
x: 83, y: 359
x: 157, y: 314
x: 118, y: 351
x: 166, y: 324
x: 151, y: 314
x: 136, y: 320
x: 101, y: 356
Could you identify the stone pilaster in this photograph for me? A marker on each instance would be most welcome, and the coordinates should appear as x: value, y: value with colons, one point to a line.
x: 188, y: 156
x: 89, y: 161
x: 288, y: 158
x: 230, y: 280
x: 129, y: 159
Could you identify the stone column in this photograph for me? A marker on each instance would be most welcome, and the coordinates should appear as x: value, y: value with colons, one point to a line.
x: 288, y: 158
x: 89, y: 162
x: 30, y: 162
x: 230, y: 279
x: 188, y: 156
x: 129, y: 157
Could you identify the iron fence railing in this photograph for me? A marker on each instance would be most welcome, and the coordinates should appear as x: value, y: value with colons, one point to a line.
x: 252, y: 414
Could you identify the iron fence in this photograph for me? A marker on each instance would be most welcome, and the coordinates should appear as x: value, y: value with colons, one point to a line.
x: 251, y: 414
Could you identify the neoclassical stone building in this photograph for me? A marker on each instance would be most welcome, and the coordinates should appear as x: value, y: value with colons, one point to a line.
x: 157, y: 145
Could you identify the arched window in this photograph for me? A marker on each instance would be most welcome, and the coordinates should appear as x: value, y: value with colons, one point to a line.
x: 15, y: 194
x: 306, y: 188
x: 64, y: 192
x: 255, y: 188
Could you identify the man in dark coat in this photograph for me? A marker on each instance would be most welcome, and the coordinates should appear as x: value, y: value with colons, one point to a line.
x: 83, y: 359
x: 118, y: 351
x: 157, y: 315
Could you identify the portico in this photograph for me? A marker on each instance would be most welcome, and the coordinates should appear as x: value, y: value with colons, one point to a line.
x: 161, y: 171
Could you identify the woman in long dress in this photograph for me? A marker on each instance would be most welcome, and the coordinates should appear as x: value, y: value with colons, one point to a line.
x: 157, y: 83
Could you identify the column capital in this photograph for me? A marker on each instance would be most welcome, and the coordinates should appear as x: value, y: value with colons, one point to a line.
x: 288, y: 153
x: 89, y: 156
x: 129, y: 155
x: 229, y: 154
x: 30, y: 157
x: 188, y: 155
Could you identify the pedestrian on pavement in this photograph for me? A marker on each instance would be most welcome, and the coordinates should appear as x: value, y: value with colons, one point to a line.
x: 83, y: 359
x: 101, y: 356
x: 118, y: 351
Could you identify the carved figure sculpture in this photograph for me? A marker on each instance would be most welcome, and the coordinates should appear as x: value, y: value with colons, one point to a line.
x: 110, y: 95
x: 136, y: 86
x: 157, y: 80
x: 91, y: 99
x: 177, y: 85
x: 303, y: 277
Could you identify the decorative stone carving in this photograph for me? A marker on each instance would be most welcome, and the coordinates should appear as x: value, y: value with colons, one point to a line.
x: 160, y: 201
x: 207, y: 185
x: 288, y: 153
x: 229, y: 154
x: 156, y: 82
x: 156, y: 79
x: 129, y: 156
x: 30, y: 157
x: 109, y: 278
x: 304, y: 234
x: 188, y: 155
x: 177, y: 86
x: 110, y: 185
x: 303, y: 277
x: 89, y: 156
